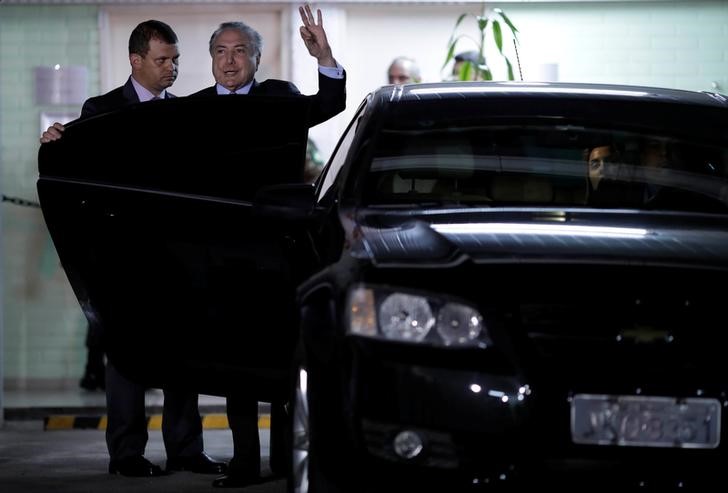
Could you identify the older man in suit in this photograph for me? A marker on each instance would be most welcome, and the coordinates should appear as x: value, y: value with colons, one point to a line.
x: 154, y: 59
x: 236, y: 50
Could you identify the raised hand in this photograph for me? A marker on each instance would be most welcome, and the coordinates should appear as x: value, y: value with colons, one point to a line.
x: 314, y: 37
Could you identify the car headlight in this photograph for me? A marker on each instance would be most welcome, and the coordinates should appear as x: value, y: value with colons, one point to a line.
x: 405, y: 317
x: 417, y: 318
x: 458, y: 323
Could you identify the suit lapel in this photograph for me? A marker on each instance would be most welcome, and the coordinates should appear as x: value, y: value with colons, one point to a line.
x: 130, y: 95
x: 254, y: 88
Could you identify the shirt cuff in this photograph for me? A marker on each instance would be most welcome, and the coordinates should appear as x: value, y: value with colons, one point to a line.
x: 332, y: 72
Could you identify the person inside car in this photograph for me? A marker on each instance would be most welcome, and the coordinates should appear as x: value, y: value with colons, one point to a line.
x: 655, y: 155
x: 597, y: 157
x: 610, y: 182
x: 667, y: 183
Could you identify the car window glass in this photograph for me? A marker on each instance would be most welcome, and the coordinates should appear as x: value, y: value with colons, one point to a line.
x: 527, y: 163
x: 339, y: 157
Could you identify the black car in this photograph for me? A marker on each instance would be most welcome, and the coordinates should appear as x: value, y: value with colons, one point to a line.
x: 490, y: 286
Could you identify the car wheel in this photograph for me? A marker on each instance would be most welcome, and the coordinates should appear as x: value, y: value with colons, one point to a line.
x: 305, y: 477
x: 301, y: 434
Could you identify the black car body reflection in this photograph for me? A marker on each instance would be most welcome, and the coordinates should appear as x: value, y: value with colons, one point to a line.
x: 478, y: 303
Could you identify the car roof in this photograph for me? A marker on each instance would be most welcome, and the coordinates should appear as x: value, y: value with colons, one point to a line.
x: 520, y: 90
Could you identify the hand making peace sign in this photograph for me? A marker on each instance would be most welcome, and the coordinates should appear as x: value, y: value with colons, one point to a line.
x: 314, y: 37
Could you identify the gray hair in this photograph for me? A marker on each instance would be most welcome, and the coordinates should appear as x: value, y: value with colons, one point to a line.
x: 254, y: 36
x: 408, y: 64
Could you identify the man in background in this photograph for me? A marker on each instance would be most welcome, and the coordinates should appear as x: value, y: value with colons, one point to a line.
x: 466, y: 66
x: 403, y: 70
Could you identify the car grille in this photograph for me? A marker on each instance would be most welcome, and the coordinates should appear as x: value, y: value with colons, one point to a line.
x: 630, y: 327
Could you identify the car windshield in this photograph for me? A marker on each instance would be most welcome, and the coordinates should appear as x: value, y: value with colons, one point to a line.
x: 544, y: 163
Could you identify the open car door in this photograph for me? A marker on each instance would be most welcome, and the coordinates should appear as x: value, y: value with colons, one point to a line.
x: 150, y: 209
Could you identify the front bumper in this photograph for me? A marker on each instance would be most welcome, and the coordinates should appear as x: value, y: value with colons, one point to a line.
x: 481, y: 426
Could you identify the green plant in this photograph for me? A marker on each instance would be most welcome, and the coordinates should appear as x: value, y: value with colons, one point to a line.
x: 490, y: 19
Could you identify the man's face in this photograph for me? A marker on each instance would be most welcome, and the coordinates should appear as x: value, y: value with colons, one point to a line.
x: 399, y: 74
x: 157, y: 70
x: 234, y: 60
x: 597, y: 157
x: 654, y: 154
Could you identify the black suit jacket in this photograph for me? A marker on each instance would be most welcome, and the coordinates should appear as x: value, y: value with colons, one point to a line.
x: 113, y: 100
x: 329, y: 101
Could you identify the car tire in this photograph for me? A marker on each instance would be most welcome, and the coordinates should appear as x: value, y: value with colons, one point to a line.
x: 300, y: 434
x: 306, y: 476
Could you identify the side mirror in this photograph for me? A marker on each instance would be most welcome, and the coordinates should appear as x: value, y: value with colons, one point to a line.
x: 286, y: 201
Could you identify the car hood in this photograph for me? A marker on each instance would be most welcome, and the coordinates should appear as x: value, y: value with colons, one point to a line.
x: 440, y: 237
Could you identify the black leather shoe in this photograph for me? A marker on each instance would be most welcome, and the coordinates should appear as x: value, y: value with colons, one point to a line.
x: 200, y: 463
x: 236, y: 480
x: 136, y: 466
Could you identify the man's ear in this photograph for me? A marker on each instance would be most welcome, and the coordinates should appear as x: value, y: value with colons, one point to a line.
x: 257, y: 61
x: 135, y: 59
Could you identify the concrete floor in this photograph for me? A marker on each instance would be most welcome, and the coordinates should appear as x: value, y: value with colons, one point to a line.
x: 33, y: 460
x: 75, y: 461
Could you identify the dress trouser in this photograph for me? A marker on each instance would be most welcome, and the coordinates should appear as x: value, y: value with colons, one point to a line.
x: 280, y: 439
x: 126, y: 430
x: 242, y: 413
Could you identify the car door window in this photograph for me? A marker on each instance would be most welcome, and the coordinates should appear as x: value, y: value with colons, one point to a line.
x: 340, y: 153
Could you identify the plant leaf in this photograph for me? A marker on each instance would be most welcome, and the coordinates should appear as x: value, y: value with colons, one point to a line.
x: 487, y: 75
x: 498, y: 36
x: 510, y: 69
x: 503, y: 15
x: 454, y: 39
x: 465, y: 71
x: 449, y: 56
x: 451, y: 48
x: 482, y: 22
x: 460, y: 19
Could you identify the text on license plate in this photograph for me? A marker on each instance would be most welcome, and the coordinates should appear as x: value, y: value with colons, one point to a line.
x: 645, y: 421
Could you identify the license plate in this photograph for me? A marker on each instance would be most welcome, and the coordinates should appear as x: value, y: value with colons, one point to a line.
x: 644, y: 421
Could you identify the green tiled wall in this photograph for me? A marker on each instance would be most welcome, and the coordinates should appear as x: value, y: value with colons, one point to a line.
x: 680, y: 44
x: 44, y: 328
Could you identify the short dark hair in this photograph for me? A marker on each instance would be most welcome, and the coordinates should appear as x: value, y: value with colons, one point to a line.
x: 468, y: 56
x: 148, y: 30
x: 254, y: 36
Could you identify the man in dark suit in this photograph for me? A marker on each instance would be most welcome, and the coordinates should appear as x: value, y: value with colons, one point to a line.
x: 154, y: 58
x: 235, y: 48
